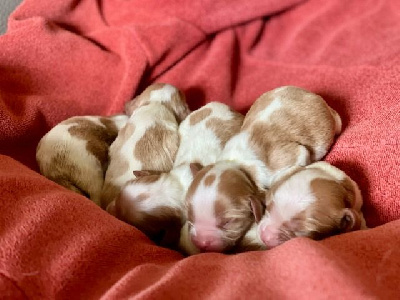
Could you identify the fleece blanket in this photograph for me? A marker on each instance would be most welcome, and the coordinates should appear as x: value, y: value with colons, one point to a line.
x: 62, y: 58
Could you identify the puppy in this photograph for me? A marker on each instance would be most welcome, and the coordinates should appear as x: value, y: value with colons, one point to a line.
x: 75, y: 152
x: 315, y: 201
x: 284, y: 127
x: 222, y: 200
x: 153, y: 202
x: 149, y: 140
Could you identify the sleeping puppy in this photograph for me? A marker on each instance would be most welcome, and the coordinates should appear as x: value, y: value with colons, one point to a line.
x: 154, y: 202
x: 75, y: 152
x: 284, y: 127
x: 315, y: 201
x: 148, y: 141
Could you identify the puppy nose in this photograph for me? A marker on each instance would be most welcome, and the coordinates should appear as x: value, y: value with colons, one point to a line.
x: 269, y: 237
x: 202, y: 243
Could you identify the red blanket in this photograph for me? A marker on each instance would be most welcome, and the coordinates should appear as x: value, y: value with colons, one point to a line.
x: 68, y: 57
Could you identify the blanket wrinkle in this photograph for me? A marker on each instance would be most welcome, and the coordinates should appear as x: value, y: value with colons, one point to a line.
x: 63, y: 58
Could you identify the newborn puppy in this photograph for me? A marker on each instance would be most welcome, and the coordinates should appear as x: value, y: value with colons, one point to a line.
x: 315, y: 201
x: 222, y: 200
x: 75, y: 152
x: 284, y: 127
x: 153, y: 202
x: 149, y: 140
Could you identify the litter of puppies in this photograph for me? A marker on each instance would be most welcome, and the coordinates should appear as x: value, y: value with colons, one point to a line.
x: 211, y: 180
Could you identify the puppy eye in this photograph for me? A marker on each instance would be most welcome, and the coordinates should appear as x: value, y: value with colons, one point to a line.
x: 225, y: 223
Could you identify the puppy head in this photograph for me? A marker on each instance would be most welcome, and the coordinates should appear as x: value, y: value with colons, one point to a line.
x: 167, y: 94
x: 148, y: 203
x: 222, y: 202
x: 315, y: 201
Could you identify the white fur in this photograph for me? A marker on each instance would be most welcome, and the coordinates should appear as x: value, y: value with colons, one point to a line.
x: 238, y: 149
x: 164, y: 94
x: 203, y: 203
x: 198, y: 142
x: 273, y: 107
x: 158, y: 196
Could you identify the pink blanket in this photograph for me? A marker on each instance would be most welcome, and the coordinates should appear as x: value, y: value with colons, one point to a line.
x: 61, y: 58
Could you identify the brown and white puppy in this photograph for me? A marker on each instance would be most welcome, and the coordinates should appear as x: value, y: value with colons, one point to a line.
x: 284, y: 127
x: 222, y: 200
x: 315, y: 201
x: 149, y: 140
x: 155, y: 202
x: 75, y: 152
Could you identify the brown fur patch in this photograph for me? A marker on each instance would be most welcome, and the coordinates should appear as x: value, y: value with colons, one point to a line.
x: 233, y: 207
x: 157, y: 148
x: 60, y: 168
x: 209, y: 180
x: 199, y: 115
x: 225, y: 130
x: 98, y: 138
x: 325, y: 215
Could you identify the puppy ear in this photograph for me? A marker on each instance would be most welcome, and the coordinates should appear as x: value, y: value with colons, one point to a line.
x: 257, y: 207
x: 141, y: 173
x: 350, y: 220
x: 195, y: 168
x: 181, y: 107
x: 328, y: 168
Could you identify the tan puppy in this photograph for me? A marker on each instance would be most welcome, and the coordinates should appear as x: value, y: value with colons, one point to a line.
x: 284, y: 127
x: 315, y: 201
x: 75, y: 152
x: 149, y: 140
x: 153, y: 202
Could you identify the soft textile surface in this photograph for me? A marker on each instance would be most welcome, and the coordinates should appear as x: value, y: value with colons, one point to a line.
x: 68, y: 57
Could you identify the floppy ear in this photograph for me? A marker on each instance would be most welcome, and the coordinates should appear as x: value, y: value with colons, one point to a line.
x: 350, y: 220
x: 328, y: 168
x: 257, y: 207
x: 195, y: 168
x: 182, y: 109
x: 141, y: 173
